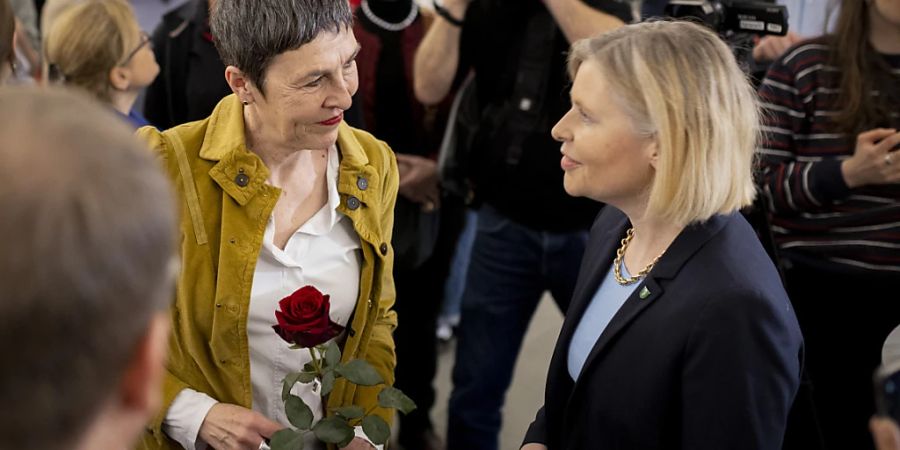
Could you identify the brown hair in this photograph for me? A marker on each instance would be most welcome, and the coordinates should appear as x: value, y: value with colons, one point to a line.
x: 860, y: 70
x: 88, y: 40
x: 88, y: 261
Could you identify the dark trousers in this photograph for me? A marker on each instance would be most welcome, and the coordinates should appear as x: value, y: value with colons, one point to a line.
x: 845, y: 319
x: 511, y: 266
x: 419, y: 297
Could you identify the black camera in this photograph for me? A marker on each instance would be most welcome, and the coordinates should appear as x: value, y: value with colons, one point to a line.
x: 733, y: 16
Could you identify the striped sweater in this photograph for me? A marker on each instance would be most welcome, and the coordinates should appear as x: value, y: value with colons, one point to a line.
x: 817, y: 219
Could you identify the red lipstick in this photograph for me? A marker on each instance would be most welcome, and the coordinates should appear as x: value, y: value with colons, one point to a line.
x: 333, y: 121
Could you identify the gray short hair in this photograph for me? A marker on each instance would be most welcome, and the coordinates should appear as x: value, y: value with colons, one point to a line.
x: 89, y: 226
x: 249, y: 34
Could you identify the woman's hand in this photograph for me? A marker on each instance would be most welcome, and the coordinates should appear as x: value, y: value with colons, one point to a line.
x: 231, y: 427
x: 873, y: 160
x: 769, y: 48
x: 533, y: 446
x: 885, y: 433
x: 359, y: 444
x: 419, y: 180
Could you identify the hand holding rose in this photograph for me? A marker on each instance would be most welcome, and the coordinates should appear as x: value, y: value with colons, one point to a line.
x: 231, y: 427
x: 304, y: 321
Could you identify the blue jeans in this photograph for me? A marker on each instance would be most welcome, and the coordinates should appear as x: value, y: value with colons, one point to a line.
x: 456, y: 279
x: 511, y: 266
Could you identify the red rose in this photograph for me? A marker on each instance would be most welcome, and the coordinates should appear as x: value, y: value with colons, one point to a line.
x: 304, y: 320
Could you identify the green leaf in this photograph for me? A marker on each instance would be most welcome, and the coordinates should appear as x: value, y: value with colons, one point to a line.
x: 306, y: 377
x: 327, y: 382
x: 309, y: 367
x: 350, y: 412
x: 289, y: 381
x: 298, y: 413
x: 359, y: 372
x: 286, y: 439
x: 332, y: 354
x: 376, y: 429
x: 391, y: 397
x: 334, y: 430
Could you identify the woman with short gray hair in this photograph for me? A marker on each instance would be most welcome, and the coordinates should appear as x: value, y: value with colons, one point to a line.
x: 278, y: 193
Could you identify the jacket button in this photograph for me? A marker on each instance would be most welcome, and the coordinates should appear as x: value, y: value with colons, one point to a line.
x: 383, y: 248
x: 352, y: 203
x: 242, y: 179
x: 362, y: 183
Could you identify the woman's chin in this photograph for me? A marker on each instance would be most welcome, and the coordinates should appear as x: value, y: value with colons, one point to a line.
x: 572, y: 187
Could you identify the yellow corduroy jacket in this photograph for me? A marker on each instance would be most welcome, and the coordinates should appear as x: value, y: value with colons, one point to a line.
x: 225, y: 205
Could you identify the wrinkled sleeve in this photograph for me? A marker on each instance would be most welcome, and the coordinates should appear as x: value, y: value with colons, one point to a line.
x: 793, y: 182
x: 172, y: 385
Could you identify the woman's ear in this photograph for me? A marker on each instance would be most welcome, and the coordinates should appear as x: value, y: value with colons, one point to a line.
x: 120, y: 78
x: 652, y: 152
x: 239, y: 84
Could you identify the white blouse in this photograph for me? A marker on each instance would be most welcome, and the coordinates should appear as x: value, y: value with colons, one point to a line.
x: 324, y: 253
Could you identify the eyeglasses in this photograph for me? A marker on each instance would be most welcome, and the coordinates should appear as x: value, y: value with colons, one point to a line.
x: 145, y: 40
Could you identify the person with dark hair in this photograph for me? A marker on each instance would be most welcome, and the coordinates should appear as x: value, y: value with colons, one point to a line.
x: 190, y: 83
x: 530, y: 236
x: 86, y: 274
x: 831, y: 172
x: 278, y: 193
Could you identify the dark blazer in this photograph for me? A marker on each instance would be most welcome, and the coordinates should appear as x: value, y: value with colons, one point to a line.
x: 710, y: 359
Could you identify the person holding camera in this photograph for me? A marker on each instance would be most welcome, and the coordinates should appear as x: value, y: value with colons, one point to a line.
x: 831, y: 171
x: 530, y: 235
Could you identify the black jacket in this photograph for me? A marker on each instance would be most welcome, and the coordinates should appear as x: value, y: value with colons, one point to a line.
x: 709, y: 360
x: 191, y: 80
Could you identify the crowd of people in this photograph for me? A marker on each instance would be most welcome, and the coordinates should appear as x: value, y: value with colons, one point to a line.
x: 169, y: 189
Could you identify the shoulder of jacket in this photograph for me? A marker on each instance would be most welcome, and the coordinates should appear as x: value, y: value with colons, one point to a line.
x: 375, y: 150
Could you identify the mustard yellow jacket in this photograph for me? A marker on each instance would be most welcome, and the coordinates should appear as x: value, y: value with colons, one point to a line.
x: 225, y: 205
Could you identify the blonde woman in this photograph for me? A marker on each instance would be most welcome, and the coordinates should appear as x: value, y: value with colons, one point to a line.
x: 98, y: 46
x: 679, y: 334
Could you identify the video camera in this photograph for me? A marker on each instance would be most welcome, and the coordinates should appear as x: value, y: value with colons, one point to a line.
x: 733, y: 16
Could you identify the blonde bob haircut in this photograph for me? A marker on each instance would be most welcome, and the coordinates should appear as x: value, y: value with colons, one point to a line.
x: 87, y: 40
x: 680, y: 84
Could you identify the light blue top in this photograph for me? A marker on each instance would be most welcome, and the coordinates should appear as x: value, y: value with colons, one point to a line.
x: 610, y: 296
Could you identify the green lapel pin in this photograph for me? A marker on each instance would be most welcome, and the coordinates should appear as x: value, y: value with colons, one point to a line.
x: 644, y: 293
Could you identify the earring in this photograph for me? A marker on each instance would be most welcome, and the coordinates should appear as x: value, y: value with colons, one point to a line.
x: 245, y: 102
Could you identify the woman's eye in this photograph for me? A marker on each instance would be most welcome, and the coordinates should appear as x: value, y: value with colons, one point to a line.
x: 584, y: 117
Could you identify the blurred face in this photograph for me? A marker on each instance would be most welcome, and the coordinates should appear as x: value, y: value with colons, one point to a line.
x: 603, y: 158
x: 307, y: 91
x: 141, y: 63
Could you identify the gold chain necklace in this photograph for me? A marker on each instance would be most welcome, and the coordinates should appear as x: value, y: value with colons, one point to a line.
x: 620, y: 255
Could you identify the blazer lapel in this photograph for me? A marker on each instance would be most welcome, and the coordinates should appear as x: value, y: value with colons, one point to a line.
x: 691, y: 239
x: 599, y: 254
